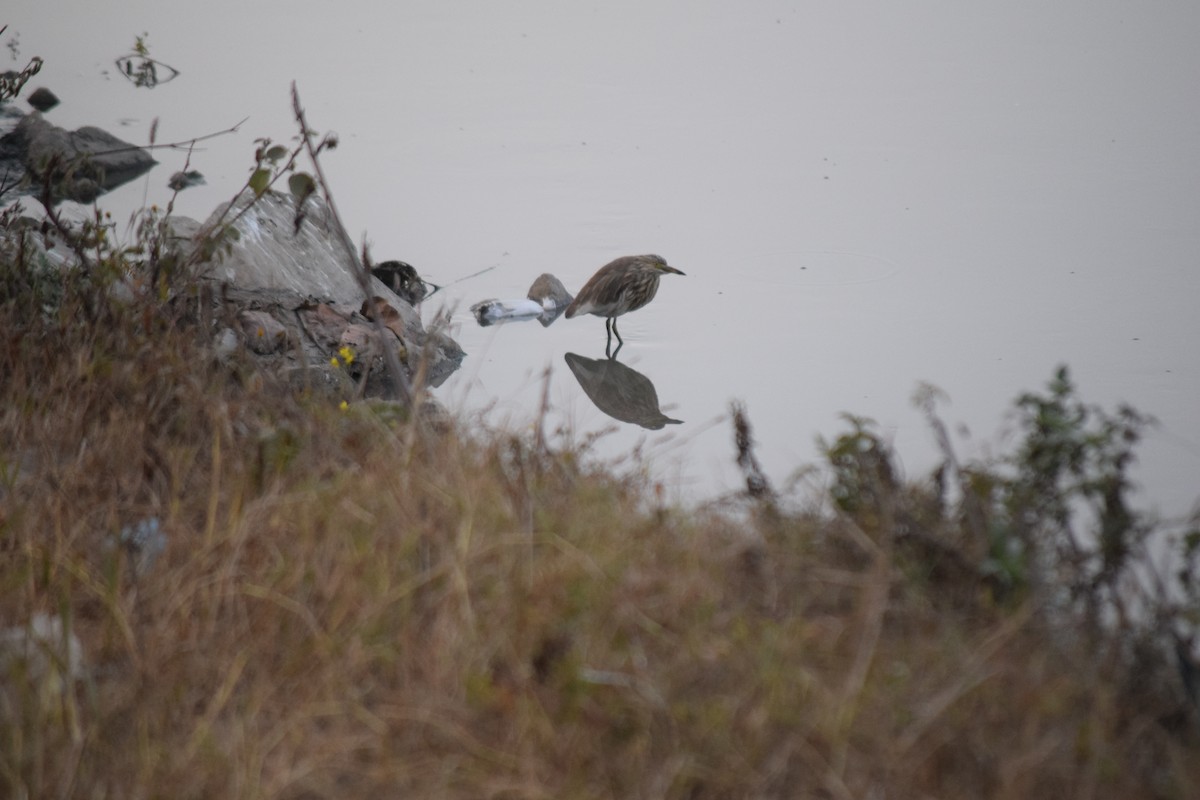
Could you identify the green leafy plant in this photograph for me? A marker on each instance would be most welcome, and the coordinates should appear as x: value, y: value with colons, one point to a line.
x: 864, y: 478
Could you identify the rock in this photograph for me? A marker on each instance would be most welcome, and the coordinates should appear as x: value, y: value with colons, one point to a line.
x: 549, y: 292
x: 38, y: 245
x: 182, y: 231
x: 262, y: 333
x: 442, y: 357
x: 42, y: 99
x: 388, y: 316
x: 304, y: 281
x: 271, y: 254
x: 321, y: 379
x: 286, y: 300
x: 324, y: 323
x: 35, y: 143
x: 553, y: 296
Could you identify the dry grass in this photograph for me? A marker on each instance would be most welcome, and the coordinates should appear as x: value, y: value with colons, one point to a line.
x: 356, y: 607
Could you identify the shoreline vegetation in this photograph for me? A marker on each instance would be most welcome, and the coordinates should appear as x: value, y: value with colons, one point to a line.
x: 215, y: 585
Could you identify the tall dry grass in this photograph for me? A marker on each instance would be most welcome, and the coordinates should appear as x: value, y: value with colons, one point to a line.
x: 356, y: 604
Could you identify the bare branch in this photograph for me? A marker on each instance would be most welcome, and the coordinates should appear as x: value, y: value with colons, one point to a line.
x: 183, y: 144
x: 361, y: 275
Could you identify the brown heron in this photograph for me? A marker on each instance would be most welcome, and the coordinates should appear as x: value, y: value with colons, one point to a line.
x: 621, y: 286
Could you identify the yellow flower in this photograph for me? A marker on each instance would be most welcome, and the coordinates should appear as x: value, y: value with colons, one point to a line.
x: 344, y: 405
x: 347, y: 354
x: 333, y: 362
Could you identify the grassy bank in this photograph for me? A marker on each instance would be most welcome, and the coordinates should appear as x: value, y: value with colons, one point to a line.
x: 212, y: 586
x: 354, y: 603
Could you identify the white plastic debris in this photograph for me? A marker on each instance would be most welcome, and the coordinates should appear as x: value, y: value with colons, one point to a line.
x: 547, y: 298
x: 144, y: 542
x: 489, y: 312
x: 41, y: 650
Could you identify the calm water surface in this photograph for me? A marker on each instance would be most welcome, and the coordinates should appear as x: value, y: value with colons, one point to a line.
x: 862, y: 199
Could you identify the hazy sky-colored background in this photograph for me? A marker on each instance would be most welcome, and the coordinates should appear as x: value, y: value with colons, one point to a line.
x: 863, y: 197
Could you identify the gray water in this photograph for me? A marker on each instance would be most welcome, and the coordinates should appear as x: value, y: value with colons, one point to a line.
x: 863, y: 197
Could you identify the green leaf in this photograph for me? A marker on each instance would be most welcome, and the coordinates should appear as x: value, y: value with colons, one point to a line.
x: 260, y: 180
x: 301, y: 185
x: 277, y: 152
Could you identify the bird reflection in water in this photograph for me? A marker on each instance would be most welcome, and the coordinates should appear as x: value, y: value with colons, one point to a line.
x: 619, y: 391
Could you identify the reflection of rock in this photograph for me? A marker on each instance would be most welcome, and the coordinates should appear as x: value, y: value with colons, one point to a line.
x: 545, y: 301
x: 185, y: 180
x: 87, y: 162
x: 145, y: 72
x: 619, y: 391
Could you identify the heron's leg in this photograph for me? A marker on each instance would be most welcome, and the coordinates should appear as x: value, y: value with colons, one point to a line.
x: 615, y: 331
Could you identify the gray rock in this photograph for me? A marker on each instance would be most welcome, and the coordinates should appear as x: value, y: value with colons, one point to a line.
x: 283, y: 296
x: 271, y: 254
x: 86, y: 162
x: 303, y: 280
x: 263, y: 333
x: 322, y: 380
x: 42, y: 99
x: 550, y: 292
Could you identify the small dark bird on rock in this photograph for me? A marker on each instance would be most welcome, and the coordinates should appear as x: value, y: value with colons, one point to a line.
x: 402, y: 278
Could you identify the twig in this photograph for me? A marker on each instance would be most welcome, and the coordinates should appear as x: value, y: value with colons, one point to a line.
x: 926, y: 399
x: 45, y: 197
x: 183, y: 143
x: 399, y: 380
x: 467, y: 277
x: 973, y: 672
x: 197, y: 253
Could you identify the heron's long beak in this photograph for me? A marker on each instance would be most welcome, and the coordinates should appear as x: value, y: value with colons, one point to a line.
x: 665, y: 268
